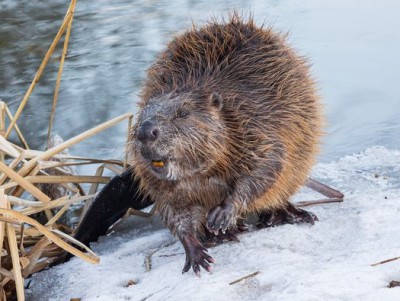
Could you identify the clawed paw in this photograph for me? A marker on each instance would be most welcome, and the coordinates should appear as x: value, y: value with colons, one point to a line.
x: 196, y: 256
x: 212, y: 240
x: 221, y: 217
x: 289, y: 215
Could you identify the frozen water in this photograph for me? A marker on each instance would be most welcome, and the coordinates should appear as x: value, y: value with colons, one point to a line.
x: 328, y: 261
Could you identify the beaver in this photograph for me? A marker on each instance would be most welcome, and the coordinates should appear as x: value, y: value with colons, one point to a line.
x: 229, y: 123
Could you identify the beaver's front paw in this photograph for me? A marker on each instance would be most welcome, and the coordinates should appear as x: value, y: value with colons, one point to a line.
x: 221, y: 217
x: 196, y: 255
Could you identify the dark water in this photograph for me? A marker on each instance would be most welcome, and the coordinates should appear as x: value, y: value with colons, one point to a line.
x: 354, y: 52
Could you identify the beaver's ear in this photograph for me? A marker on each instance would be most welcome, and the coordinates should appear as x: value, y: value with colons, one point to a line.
x: 215, y: 100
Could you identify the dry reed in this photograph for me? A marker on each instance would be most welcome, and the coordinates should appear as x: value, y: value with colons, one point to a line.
x: 26, y: 245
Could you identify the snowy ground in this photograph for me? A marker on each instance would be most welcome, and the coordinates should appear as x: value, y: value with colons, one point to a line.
x: 328, y: 261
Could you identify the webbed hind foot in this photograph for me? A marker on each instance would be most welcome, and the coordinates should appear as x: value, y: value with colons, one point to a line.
x: 289, y: 215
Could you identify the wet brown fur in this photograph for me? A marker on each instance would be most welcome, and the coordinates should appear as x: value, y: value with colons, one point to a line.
x: 270, y: 118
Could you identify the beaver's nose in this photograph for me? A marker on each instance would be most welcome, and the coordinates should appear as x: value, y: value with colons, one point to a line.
x: 148, y: 131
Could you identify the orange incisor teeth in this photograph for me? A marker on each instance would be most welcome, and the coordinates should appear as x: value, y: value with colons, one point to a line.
x: 158, y: 163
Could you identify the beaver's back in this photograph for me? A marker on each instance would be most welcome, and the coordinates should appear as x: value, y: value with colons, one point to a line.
x: 269, y: 97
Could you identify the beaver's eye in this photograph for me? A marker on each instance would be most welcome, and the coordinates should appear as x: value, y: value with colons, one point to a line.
x: 182, y: 113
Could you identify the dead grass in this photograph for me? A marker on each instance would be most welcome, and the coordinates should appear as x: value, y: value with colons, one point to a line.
x: 26, y: 245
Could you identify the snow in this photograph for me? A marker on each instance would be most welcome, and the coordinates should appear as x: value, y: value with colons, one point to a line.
x: 328, y: 261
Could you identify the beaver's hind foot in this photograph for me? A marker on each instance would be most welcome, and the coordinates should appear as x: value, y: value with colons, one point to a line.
x: 289, y: 215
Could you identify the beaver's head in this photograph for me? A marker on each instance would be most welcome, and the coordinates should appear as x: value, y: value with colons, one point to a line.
x: 177, y: 136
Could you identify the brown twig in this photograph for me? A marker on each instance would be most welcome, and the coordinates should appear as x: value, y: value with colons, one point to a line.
x: 27, y: 186
x: 2, y: 118
x: 147, y: 259
x: 29, y: 167
x: 35, y: 254
x: 66, y: 144
x: 171, y: 255
x: 12, y: 241
x: 41, y: 68
x: 60, y: 70
x: 21, y: 242
x: 16, y: 127
x: 318, y: 202
x: 90, y: 257
x: 245, y: 277
x: 324, y: 189
x: 385, y: 261
x: 130, y: 283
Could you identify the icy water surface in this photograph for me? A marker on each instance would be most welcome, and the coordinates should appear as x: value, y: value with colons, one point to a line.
x: 354, y: 47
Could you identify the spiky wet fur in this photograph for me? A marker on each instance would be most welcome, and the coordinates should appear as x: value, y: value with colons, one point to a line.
x: 256, y: 150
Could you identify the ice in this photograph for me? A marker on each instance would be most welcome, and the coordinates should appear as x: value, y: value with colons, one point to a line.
x: 328, y: 261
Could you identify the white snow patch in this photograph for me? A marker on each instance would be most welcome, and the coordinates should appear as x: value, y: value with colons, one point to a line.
x: 328, y: 261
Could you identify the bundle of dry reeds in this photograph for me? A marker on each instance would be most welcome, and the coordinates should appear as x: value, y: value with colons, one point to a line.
x: 27, y: 245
